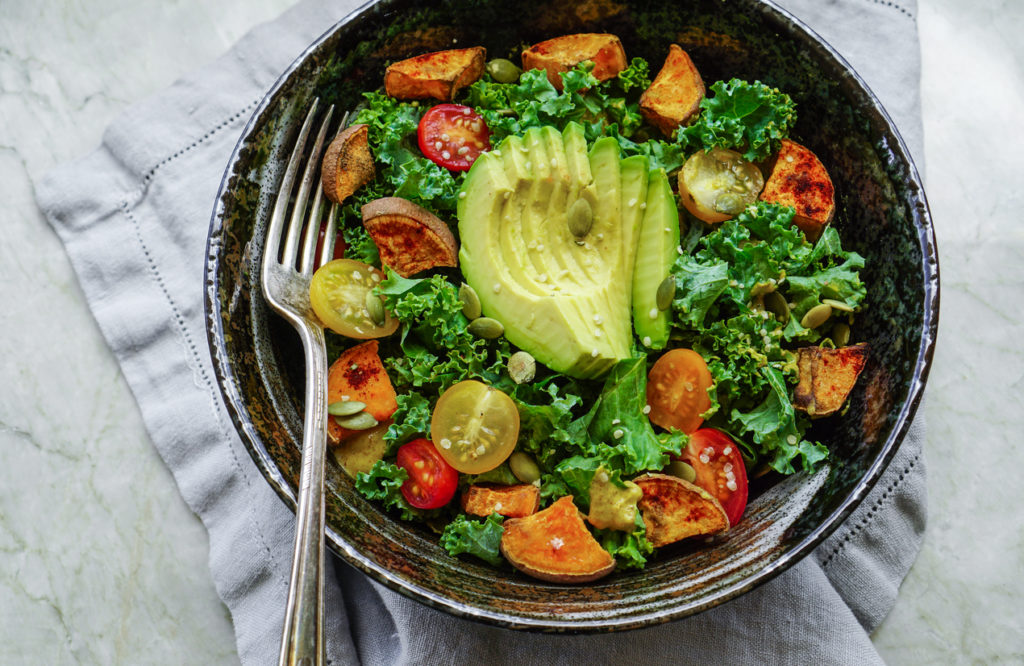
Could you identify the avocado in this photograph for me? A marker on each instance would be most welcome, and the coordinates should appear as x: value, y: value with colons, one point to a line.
x: 659, y: 238
x: 564, y: 299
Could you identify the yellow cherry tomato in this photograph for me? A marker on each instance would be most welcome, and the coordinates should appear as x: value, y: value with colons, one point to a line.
x: 474, y: 427
x: 340, y: 295
x: 717, y: 186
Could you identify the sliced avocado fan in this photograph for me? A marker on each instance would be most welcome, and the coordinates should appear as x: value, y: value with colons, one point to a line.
x: 563, y: 296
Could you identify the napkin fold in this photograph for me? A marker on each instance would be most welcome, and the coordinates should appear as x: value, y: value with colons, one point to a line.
x: 133, y: 216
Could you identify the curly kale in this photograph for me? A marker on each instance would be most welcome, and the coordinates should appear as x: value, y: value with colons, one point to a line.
x: 481, y: 539
x: 751, y: 118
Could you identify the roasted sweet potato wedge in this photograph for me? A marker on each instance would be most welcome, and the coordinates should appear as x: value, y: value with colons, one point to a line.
x: 555, y: 545
x: 347, y: 164
x: 674, y: 509
x: 827, y: 376
x: 359, y: 375
x: 510, y: 501
x: 673, y: 98
x: 437, y: 75
x: 563, y: 53
x: 410, y: 238
x: 799, y: 179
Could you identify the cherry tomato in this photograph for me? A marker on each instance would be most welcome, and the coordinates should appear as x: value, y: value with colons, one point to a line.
x: 720, y: 469
x: 339, y: 293
x: 717, y: 186
x: 339, y: 243
x: 453, y: 136
x: 432, y: 481
x: 677, y: 390
x: 474, y: 426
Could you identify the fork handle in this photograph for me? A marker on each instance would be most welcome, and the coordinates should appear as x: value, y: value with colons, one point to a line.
x: 302, y: 642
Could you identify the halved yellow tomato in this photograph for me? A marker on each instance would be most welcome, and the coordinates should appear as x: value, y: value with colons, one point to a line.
x: 340, y: 295
x: 474, y: 427
x: 677, y: 390
x: 717, y: 185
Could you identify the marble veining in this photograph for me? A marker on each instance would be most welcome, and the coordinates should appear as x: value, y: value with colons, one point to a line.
x: 102, y: 562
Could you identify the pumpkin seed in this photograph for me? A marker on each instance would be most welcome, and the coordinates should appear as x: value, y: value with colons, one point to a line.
x: 816, y: 316
x: 470, y: 302
x: 375, y: 308
x: 503, y: 71
x: 682, y: 470
x: 581, y: 218
x: 841, y: 334
x: 522, y: 367
x: 837, y: 305
x: 486, y: 328
x: 666, y: 292
x: 523, y: 467
x: 360, y: 421
x: 345, y: 407
x: 775, y: 303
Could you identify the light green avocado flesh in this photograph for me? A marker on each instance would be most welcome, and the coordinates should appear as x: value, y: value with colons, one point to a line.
x: 659, y: 238
x: 565, y: 302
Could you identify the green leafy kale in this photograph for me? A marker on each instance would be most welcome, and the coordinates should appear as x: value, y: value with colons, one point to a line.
x: 630, y: 549
x: 383, y: 483
x: 481, y: 539
x: 607, y: 108
x: 751, y: 118
x: 720, y: 314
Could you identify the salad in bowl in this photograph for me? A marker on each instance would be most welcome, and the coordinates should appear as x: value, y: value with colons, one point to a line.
x: 579, y: 303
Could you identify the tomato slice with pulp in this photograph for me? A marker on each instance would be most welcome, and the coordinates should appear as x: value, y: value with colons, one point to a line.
x: 432, y: 481
x: 453, y: 136
x: 720, y: 470
x: 474, y: 426
x: 677, y: 390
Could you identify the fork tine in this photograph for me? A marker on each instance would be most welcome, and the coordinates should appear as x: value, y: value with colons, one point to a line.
x: 331, y: 223
x: 299, y: 209
x: 270, y: 251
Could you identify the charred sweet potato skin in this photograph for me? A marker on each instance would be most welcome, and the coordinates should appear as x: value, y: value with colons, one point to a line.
x: 509, y: 501
x: 561, y: 54
x: 674, y: 96
x: 347, y: 164
x: 359, y: 375
x: 674, y: 509
x: 410, y: 238
x: 555, y: 545
x: 438, y: 75
x: 827, y: 376
x: 800, y: 180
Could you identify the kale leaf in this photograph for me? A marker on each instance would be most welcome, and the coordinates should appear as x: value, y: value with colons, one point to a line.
x: 751, y: 118
x: 481, y: 539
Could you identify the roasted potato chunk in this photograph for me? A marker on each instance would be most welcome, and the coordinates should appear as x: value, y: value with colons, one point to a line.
x: 674, y: 509
x: 347, y: 164
x: 827, y: 376
x: 410, y: 238
x: 555, y: 545
x: 358, y: 375
x: 509, y: 501
x: 563, y: 53
x: 437, y: 75
x: 799, y: 179
x: 674, y: 96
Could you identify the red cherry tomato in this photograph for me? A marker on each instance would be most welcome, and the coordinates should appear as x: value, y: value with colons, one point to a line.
x: 453, y: 136
x: 720, y: 470
x: 339, y: 244
x: 432, y: 481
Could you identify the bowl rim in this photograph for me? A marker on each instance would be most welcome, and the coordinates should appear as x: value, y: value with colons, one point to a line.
x: 234, y: 402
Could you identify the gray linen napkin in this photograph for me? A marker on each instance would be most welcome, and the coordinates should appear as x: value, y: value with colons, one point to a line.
x: 133, y: 217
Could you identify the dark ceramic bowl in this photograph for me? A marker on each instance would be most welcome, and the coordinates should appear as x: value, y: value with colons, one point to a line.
x: 882, y: 214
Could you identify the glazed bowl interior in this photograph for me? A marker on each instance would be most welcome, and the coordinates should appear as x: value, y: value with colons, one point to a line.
x: 881, y: 213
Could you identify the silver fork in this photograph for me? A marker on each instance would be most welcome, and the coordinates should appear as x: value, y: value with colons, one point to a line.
x: 285, y: 275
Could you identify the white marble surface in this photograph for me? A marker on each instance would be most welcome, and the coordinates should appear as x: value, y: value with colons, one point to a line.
x: 102, y: 562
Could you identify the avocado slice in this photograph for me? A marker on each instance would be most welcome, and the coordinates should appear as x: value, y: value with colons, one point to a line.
x: 659, y: 238
x: 563, y: 299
